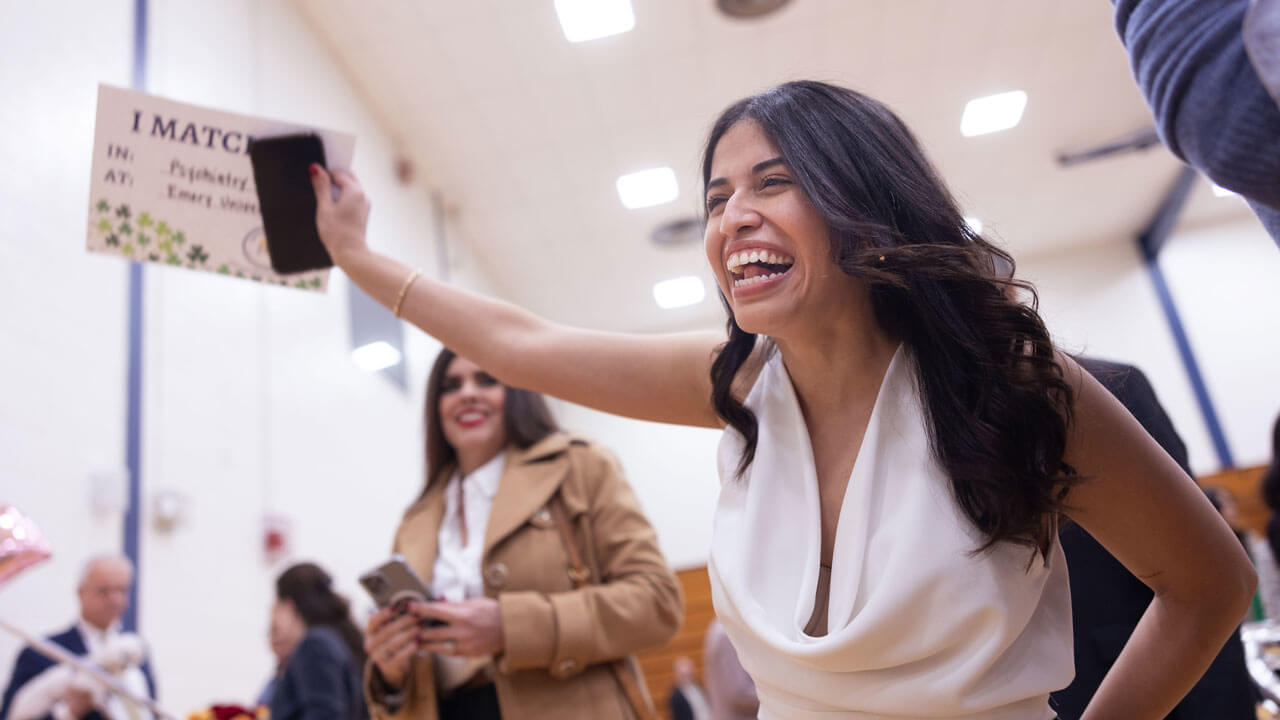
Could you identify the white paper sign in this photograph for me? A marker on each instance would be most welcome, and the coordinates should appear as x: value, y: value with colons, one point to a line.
x: 172, y: 184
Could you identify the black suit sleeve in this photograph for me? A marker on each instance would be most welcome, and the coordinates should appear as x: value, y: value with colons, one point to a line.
x: 680, y: 708
x: 28, y: 665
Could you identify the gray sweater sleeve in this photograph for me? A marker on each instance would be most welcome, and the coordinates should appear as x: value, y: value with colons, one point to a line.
x: 1210, y: 107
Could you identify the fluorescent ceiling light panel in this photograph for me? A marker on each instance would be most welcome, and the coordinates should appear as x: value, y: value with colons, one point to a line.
x: 648, y: 188
x: 1219, y: 191
x: 993, y: 113
x: 679, y: 292
x: 375, y: 356
x: 975, y: 225
x: 584, y: 20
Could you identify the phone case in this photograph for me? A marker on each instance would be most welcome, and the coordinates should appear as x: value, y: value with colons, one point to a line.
x: 288, y: 202
x: 395, y: 583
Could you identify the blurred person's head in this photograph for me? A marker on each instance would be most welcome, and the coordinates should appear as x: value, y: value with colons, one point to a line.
x: 305, y: 599
x: 471, y: 416
x: 104, y: 589
x: 685, y: 671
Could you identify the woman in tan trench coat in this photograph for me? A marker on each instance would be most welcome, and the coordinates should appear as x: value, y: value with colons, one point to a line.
x: 522, y: 640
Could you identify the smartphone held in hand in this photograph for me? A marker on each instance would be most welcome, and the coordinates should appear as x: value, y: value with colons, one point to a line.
x: 395, y: 584
x: 287, y: 200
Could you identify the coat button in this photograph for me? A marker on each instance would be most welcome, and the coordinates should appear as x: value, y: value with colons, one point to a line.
x: 566, y: 667
x: 496, y: 575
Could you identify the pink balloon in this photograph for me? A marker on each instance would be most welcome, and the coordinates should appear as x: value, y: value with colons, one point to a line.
x: 21, y: 544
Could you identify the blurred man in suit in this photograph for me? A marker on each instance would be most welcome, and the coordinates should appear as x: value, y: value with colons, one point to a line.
x: 39, y: 689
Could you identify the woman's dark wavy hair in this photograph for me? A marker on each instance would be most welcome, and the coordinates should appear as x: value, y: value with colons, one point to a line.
x: 525, y: 416
x: 998, y: 405
x: 1271, y: 491
x: 310, y: 589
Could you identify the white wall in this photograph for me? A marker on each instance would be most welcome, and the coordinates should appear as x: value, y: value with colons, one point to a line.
x: 1100, y: 300
x: 251, y: 403
x: 62, y: 311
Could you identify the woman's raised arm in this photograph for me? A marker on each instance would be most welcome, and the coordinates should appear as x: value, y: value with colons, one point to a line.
x: 664, y: 378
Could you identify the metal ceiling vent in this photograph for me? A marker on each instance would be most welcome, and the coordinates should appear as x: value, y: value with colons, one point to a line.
x: 749, y: 8
x: 677, y: 233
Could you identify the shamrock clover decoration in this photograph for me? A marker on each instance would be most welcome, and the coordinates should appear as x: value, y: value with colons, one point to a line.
x: 197, y: 255
x: 113, y: 240
x: 104, y: 225
x: 122, y: 212
x: 144, y: 239
x: 179, y: 237
x: 125, y: 229
x: 144, y: 220
x: 163, y: 228
x: 103, y: 206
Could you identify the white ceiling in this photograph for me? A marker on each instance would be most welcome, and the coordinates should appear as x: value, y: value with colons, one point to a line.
x: 525, y: 133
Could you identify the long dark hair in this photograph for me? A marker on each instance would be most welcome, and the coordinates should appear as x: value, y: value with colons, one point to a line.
x: 998, y: 405
x: 525, y: 416
x: 310, y: 589
x: 1271, y: 491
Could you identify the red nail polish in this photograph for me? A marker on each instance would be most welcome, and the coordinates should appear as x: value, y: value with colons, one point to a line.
x: 313, y: 169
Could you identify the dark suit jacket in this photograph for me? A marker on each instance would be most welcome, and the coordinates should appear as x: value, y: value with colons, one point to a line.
x: 680, y: 707
x: 31, y: 663
x: 1107, y: 600
x: 319, y: 681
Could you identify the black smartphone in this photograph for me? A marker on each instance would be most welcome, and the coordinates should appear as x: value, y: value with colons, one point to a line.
x: 395, y: 584
x: 288, y: 201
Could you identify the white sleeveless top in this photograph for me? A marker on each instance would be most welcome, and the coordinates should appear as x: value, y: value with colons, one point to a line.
x: 917, y: 626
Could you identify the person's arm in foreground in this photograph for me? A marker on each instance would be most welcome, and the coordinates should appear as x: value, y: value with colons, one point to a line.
x: 662, y: 378
x: 1152, y: 517
x: 1210, y: 106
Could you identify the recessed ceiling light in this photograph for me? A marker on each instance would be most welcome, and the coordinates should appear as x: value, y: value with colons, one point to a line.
x: 1219, y: 191
x: 648, y: 188
x: 375, y: 356
x: 679, y: 292
x: 993, y: 113
x: 584, y: 20
x: 975, y: 224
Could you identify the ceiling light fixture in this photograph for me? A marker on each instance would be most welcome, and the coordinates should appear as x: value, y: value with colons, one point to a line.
x: 584, y: 20
x: 375, y: 356
x: 993, y: 113
x: 647, y: 188
x: 679, y: 292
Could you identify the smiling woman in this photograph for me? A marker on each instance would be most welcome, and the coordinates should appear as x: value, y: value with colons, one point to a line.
x: 902, y: 440
x: 518, y: 632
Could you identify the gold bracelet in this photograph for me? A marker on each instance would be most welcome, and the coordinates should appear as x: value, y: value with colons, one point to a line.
x: 404, y: 290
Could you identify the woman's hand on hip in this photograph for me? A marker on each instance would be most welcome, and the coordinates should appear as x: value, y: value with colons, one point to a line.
x: 391, y: 642
x: 341, y: 221
x: 473, y: 627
